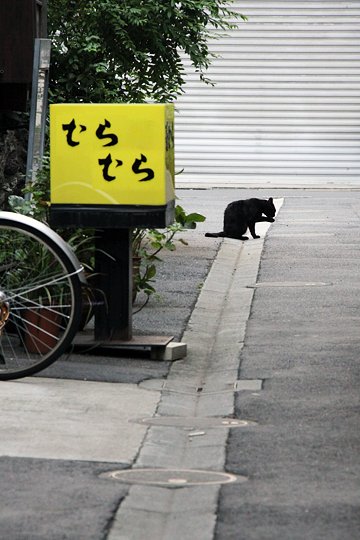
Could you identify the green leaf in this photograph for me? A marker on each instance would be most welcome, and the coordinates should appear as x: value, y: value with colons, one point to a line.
x: 197, y: 218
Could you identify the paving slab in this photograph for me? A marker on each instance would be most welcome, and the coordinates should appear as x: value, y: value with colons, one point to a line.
x: 73, y: 420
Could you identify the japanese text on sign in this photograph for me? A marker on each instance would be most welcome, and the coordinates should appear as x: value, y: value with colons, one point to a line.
x: 105, y: 154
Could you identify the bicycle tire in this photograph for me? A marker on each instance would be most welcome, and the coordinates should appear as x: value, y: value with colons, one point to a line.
x: 40, y: 284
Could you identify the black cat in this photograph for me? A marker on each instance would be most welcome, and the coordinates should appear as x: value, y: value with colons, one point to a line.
x: 242, y: 215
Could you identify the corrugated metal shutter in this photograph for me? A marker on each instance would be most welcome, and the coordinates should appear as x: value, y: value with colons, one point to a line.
x: 286, y: 106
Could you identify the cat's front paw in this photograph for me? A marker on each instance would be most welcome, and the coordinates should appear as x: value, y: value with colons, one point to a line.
x: 271, y: 220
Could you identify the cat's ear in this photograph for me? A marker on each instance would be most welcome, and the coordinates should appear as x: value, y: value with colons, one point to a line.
x: 271, y: 199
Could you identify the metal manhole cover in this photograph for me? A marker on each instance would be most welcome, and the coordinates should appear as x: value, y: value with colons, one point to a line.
x: 289, y: 284
x: 195, y: 423
x: 300, y: 235
x: 172, y: 477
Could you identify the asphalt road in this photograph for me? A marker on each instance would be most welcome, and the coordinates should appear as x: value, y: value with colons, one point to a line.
x: 303, y: 342
x: 272, y: 332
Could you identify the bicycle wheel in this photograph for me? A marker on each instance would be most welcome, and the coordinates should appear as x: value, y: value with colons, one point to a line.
x: 40, y: 296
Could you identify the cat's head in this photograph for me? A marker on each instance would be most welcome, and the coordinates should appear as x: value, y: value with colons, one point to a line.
x: 269, y: 209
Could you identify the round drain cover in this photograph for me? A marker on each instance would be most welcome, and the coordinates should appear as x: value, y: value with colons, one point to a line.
x: 172, y: 477
x: 194, y: 422
x: 290, y: 284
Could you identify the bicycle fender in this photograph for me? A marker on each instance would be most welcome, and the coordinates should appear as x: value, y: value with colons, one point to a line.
x: 46, y: 231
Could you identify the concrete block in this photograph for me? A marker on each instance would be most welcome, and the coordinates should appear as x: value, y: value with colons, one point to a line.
x: 172, y: 351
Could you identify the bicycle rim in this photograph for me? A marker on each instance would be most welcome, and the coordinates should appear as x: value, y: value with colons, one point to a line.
x: 41, y: 298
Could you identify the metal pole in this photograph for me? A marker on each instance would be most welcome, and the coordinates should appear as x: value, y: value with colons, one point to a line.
x: 37, y: 125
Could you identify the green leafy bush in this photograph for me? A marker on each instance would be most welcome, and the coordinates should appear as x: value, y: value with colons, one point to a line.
x: 130, y: 50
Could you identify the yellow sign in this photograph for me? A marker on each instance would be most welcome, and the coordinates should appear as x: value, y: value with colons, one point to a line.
x: 113, y: 154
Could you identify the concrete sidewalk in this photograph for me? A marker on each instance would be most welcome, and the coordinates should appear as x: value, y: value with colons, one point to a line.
x: 64, y: 432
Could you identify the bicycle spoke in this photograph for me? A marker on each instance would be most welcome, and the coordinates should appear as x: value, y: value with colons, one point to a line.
x: 40, y: 286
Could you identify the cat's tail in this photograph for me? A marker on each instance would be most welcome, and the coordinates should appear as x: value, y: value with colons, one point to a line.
x: 215, y: 235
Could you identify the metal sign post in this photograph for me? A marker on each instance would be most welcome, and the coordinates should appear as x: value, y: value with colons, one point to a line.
x: 112, y: 169
x: 37, y: 126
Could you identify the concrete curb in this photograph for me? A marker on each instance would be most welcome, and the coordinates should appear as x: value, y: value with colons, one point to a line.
x: 214, y: 337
